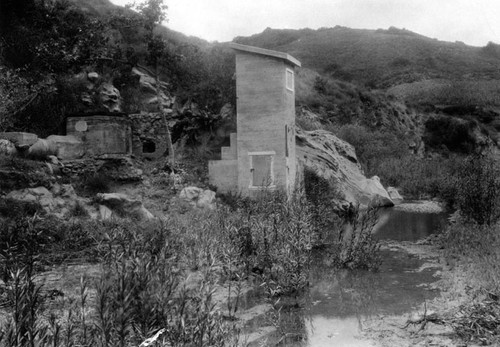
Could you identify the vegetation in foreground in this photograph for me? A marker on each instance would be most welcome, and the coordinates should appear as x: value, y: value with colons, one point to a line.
x: 158, y: 279
x: 472, y: 244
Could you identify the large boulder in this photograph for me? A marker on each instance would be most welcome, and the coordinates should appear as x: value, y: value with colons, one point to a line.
x: 110, y: 97
x: 7, y: 148
x: 68, y: 147
x: 335, y: 160
x: 147, y: 93
x: 105, y: 212
x: 123, y: 206
x: 201, y: 198
x: 41, y: 149
x: 19, y: 139
x: 394, y: 195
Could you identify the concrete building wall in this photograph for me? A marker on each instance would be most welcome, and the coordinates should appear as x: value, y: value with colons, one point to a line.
x: 224, y: 175
x: 266, y: 114
x: 262, y: 155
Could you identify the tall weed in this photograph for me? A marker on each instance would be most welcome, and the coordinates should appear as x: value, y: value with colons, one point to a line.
x: 478, y: 189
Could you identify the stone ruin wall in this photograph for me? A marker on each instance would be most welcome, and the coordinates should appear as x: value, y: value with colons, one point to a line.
x: 148, y: 135
x: 142, y: 134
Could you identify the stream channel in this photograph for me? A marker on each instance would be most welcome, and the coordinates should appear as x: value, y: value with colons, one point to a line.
x: 338, y: 303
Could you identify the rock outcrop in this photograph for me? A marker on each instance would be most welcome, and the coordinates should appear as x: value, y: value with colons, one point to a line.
x: 110, y: 97
x: 394, y: 195
x: 122, y: 205
x: 99, y: 95
x: 147, y: 93
x: 335, y: 160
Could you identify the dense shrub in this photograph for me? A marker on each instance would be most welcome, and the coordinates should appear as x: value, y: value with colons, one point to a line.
x: 359, y: 249
x: 46, y: 113
x: 422, y: 177
x: 322, y: 197
x: 48, y: 240
x: 96, y: 183
x: 139, y: 293
x: 474, y: 250
x: 478, y: 189
x: 472, y: 243
x: 14, y: 93
x: 449, y: 133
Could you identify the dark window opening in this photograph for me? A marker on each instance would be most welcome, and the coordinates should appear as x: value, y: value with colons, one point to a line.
x: 148, y: 146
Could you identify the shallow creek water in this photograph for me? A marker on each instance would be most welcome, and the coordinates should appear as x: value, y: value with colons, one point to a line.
x: 338, y: 303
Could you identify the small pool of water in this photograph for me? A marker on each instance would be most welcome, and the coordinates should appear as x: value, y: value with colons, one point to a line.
x: 338, y: 303
x: 399, y: 224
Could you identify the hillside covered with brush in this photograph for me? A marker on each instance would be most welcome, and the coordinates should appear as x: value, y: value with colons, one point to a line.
x: 383, y: 57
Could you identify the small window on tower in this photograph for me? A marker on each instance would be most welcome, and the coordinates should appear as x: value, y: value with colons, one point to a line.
x: 289, y: 80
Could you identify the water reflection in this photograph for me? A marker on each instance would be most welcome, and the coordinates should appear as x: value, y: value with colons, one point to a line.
x: 337, y: 303
x: 400, y: 225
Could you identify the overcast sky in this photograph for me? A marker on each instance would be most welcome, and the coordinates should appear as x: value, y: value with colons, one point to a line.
x: 474, y: 22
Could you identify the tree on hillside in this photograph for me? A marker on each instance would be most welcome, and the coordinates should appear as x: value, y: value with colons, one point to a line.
x: 49, y: 37
x: 41, y: 42
x: 153, y: 13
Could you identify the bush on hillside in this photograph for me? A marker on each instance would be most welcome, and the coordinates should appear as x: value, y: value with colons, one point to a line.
x: 15, y: 93
x: 449, y: 133
x: 491, y: 49
x: 46, y: 114
x: 96, y: 183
